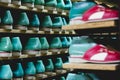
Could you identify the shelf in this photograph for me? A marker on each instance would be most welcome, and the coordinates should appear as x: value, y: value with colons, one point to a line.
x: 110, y: 3
x: 50, y: 31
x: 75, y: 0
x: 90, y: 66
x: 51, y: 10
x: 91, y: 25
x: 43, y: 76
x: 43, y: 53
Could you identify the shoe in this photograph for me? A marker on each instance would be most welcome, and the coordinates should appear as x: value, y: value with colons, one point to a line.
x: 44, y: 46
x: 23, y: 21
x: 35, y: 23
x: 62, y: 78
x: 89, y: 15
x: 17, y: 70
x: 39, y: 4
x: 40, y: 68
x: 16, y: 2
x: 58, y: 63
x: 68, y: 4
x: 69, y: 39
x: 5, y: 47
x: 28, y: 3
x: 101, y: 54
x: 47, y: 22
x: 5, y: 72
x: 33, y: 46
x: 80, y: 45
x: 79, y: 8
x: 7, y: 20
x: 65, y: 42
x: 51, y: 3
x: 49, y: 67
x: 57, y: 22
x: 60, y: 4
x: 93, y: 76
x: 44, y: 43
x: 78, y: 48
x: 64, y: 21
x: 17, y: 46
x: 79, y: 76
x: 103, y: 12
x: 29, y: 68
x: 56, y: 43
x: 6, y: 1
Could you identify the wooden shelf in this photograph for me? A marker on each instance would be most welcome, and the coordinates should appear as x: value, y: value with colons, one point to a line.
x: 91, y: 25
x: 90, y: 66
x: 107, y: 2
x: 48, y: 53
x: 45, y: 10
x: 75, y: 0
x: 50, y: 31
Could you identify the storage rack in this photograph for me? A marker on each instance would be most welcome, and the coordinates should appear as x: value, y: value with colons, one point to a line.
x: 30, y: 33
x: 98, y: 29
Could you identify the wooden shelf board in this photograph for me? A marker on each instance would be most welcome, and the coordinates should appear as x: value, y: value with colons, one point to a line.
x: 47, y: 53
x: 50, y: 31
x: 45, y: 10
x: 75, y: 0
x: 90, y: 25
x: 90, y: 66
x: 107, y: 2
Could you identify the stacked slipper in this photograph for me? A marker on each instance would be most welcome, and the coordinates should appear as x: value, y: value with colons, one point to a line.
x: 83, y: 49
x: 88, y: 11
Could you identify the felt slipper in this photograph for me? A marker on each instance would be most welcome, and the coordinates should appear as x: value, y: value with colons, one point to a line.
x: 100, y: 13
x: 98, y: 54
x: 96, y: 13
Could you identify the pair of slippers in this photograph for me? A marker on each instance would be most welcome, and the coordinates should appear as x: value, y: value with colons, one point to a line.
x: 88, y: 51
x: 83, y: 12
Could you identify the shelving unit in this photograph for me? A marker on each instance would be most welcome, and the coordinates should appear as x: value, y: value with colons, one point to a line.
x: 97, y: 29
x: 67, y: 30
x: 63, y: 52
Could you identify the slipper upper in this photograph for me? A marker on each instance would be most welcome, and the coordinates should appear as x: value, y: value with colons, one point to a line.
x: 99, y: 12
x: 80, y: 45
x: 100, y: 53
x: 79, y: 8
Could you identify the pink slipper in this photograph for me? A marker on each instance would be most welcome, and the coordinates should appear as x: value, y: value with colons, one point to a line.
x: 97, y: 54
x: 96, y: 13
x: 100, y: 13
x: 100, y: 54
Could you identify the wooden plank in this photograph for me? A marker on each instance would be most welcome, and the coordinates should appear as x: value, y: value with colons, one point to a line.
x: 17, y: 79
x: 89, y: 66
x: 49, y: 10
x: 75, y: 0
x: 90, y: 25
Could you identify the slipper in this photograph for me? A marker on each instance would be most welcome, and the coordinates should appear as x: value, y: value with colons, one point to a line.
x: 80, y: 45
x: 96, y: 13
x: 77, y: 76
x: 79, y: 8
x: 100, y: 54
x: 100, y: 13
